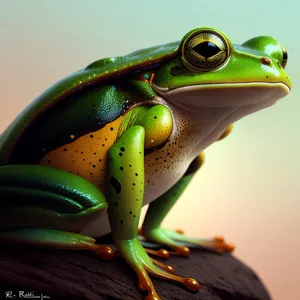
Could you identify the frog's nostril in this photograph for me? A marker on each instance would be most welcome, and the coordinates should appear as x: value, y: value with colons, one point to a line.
x: 265, y: 61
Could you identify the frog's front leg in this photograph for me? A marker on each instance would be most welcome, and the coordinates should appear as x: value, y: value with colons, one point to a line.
x: 160, y: 207
x: 47, y: 207
x: 126, y: 190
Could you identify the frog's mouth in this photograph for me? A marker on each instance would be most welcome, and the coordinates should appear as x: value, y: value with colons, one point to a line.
x: 224, y: 94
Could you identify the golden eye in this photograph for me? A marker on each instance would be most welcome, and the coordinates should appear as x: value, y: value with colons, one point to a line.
x: 205, y: 50
x: 284, y: 57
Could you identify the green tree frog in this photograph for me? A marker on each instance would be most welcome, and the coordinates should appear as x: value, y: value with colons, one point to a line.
x: 84, y: 157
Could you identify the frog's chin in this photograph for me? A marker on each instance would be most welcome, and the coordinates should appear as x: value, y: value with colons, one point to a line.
x: 224, y: 94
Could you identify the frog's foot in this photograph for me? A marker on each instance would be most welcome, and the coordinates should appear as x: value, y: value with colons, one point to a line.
x: 135, y: 255
x: 176, y: 240
x: 52, y: 238
x: 217, y: 243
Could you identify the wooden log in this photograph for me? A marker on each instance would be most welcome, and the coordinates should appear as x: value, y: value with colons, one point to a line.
x: 63, y: 274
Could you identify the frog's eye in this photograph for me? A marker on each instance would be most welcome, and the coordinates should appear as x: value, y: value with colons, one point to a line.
x: 284, y: 57
x: 204, y: 50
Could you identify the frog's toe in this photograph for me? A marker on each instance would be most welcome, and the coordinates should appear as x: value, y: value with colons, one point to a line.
x: 162, y: 253
x: 161, y: 237
x: 218, y: 246
x: 181, y: 250
x: 188, y: 282
x: 167, y: 268
x: 105, y: 252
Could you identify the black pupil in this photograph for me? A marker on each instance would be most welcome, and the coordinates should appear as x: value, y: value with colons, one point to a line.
x: 207, y: 49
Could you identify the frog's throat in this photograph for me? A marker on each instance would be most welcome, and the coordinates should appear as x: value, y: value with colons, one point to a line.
x: 224, y: 94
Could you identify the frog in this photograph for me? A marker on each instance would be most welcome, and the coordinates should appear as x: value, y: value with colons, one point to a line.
x: 83, y: 158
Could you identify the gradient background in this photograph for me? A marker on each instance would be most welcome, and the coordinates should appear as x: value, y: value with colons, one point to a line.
x: 249, y: 188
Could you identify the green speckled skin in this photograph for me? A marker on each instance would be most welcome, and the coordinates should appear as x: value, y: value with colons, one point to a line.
x: 125, y: 132
x: 97, y: 72
x: 126, y: 179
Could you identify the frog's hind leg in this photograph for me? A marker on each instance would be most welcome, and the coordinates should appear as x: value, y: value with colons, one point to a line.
x: 54, y: 239
x: 46, y: 207
x: 177, y: 241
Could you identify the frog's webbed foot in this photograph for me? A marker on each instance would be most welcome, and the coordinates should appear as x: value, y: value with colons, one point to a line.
x: 217, y: 243
x: 135, y: 255
x: 177, y: 241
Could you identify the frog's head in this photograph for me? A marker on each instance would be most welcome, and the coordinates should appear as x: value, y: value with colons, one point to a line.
x: 209, y: 71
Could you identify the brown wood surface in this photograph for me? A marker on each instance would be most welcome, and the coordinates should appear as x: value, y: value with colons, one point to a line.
x: 63, y: 274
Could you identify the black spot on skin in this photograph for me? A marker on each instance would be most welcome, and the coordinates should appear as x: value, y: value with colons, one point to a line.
x: 111, y: 128
x: 155, y: 117
x: 116, y: 204
x: 103, y: 145
x: 120, y: 154
x: 122, y: 149
x: 133, y: 184
x: 100, y: 160
x: 122, y: 222
x: 134, y: 216
x: 121, y: 168
x: 49, y: 161
x: 130, y: 212
x: 91, y: 136
x: 136, y: 174
x: 81, y: 152
x: 115, y: 184
x: 94, y: 166
x: 65, y: 149
x: 130, y: 166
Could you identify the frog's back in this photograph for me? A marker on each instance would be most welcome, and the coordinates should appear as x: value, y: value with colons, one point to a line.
x: 94, y: 75
x: 72, y: 125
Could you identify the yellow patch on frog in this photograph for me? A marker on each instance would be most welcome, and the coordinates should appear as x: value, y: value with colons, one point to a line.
x: 86, y: 156
x: 155, y: 138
